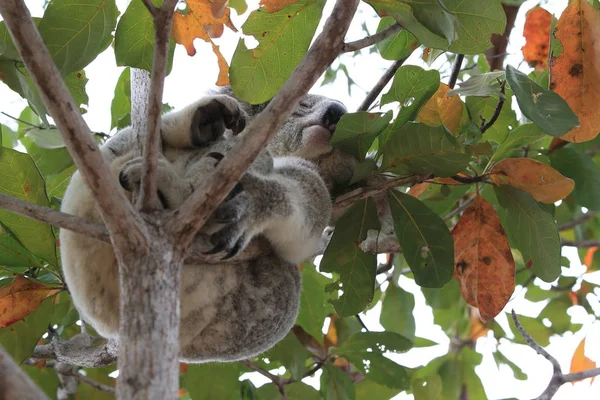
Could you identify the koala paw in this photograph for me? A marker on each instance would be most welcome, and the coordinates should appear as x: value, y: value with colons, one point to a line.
x: 232, y: 220
x: 130, y: 178
x: 214, y: 116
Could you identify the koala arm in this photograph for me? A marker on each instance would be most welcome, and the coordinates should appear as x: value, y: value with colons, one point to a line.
x: 292, y: 207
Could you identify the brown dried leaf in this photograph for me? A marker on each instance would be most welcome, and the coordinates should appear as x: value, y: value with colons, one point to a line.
x: 275, y: 5
x: 575, y: 73
x: 20, y: 298
x: 418, y: 189
x: 541, y: 181
x: 537, y: 37
x: 442, y: 109
x: 580, y: 362
x: 484, y: 265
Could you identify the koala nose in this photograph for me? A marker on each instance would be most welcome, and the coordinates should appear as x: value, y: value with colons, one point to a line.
x: 332, y: 115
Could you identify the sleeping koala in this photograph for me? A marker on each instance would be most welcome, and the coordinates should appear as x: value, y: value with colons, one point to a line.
x: 228, y: 311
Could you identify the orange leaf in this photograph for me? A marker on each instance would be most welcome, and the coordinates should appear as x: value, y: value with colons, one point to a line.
x: 484, y: 265
x: 580, y: 362
x: 20, y: 298
x: 275, y: 5
x: 537, y: 37
x: 199, y: 22
x: 441, y: 109
x: 541, y: 181
x: 589, y: 256
x: 418, y: 189
x: 574, y: 74
x: 223, y: 79
x: 478, y: 329
x: 218, y: 8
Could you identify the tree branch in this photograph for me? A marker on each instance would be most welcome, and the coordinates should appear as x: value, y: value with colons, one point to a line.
x: 117, y: 212
x: 55, y: 218
x: 14, y: 383
x: 70, y: 371
x: 380, y: 85
x: 371, y: 40
x: 82, y: 350
x: 188, y: 219
x: 163, y: 18
x: 558, y: 378
x: 487, y: 125
x: 578, y: 221
x: 369, y: 191
x: 455, y: 70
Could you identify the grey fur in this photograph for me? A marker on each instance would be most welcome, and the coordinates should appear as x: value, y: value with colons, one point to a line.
x: 229, y: 311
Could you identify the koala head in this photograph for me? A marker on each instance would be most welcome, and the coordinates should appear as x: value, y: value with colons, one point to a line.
x: 307, y: 134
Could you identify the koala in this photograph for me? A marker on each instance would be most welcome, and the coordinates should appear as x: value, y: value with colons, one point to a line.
x: 229, y: 311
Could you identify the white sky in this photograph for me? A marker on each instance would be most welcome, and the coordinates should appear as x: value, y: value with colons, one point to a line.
x: 192, y: 76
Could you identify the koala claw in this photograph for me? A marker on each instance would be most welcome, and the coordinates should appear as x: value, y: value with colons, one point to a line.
x: 211, y: 119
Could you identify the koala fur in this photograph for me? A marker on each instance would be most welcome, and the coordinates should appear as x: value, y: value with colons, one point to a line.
x: 228, y: 311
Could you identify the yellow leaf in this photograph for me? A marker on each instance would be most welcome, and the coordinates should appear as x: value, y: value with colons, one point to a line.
x: 478, y: 329
x: 441, y: 109
x: 575, y: 73
x: 537, y: 38
x: 20, y: 298
x: 580, y: 362
x: 541, y: 181
x: 484, y: 265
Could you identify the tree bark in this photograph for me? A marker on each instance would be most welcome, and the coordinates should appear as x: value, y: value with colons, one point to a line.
x: 14, y: 383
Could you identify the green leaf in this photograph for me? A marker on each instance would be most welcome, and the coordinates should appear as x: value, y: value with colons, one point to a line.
x: 397, y: 311
x: 301, y: 391
x: 428, y: 388
x: 291, y: 354
x: 502, y: 359
x: 344, y: 256
x: 356, y: 132
x: 213, y: 381
x: 471, y: 359
x: 451, y: 374
x: 425, y: 240
x: 421, y: 149
x: 412, y: 87
x: 18, y: 81
x: 365, y: 350
x: 397, y: 46
x: 20, y: 178
x: 14, y: 255
x: 335, y: 384
x: 45, y: 378
x: 534, y: 326
x: 8, y: 137
x: 484, y: 107
x: 532, y: 231
x: 76, y: 82
x: 283, y: 38
x: 20, y: 338
x: 367, y: 389
x: 56, y: 184
x: 134, y: 39
x: 75, y: 33
x: 459, y: 26
x: 46, y: 138
x: 542, y: 106
x: 7, y: 48
x: 556, y: 312
x: 586, y: 174
x: 120, y: 107
x: 239, y: 6
x: 480, y: 85
x: 524, y: 135
x: 313, y: 304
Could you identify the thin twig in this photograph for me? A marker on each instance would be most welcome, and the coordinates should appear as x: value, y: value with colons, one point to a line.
x: 487, y: 125
x: 277, y: 381
x: 21, y: 121
x: 534, y: 345
x: 56, y: 218
x: 116, y: 211
x: 361, y: 322
x: 163, y: 18
x: 369, y: 191
x: 194, y: 212
x: 380, y: 85
x: 455, y: 70
x: 93, y: 383
x: 580, y: 244
x: 459, y: 209
x: 578, y: 221
x: 371, y: 40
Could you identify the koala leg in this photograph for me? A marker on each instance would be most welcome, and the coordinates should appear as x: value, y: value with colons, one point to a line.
x: 172, y: 189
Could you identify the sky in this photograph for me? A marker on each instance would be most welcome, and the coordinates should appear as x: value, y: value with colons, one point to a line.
x: 191, y: 77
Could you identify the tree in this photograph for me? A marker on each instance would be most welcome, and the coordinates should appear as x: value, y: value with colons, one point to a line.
x: 460, y: 195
